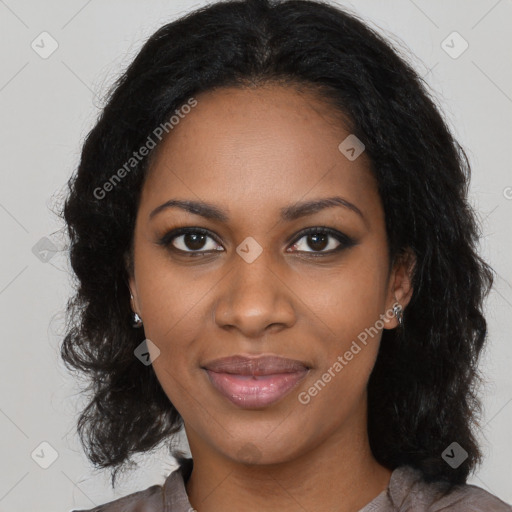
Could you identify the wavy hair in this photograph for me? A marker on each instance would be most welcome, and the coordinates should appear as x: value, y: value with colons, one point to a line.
x: 422, y: 393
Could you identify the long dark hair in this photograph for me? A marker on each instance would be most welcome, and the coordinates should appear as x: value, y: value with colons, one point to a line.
x: 421, y: 394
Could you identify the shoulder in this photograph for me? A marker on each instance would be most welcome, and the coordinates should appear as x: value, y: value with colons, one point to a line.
x: 408, y: 491
x: 169, y: 497
x: 148, y: 500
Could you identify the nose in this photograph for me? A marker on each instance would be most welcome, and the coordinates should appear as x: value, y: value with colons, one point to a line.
x: 255, y: 299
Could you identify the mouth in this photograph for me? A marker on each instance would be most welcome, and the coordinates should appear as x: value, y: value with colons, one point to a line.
x: 255, y: 382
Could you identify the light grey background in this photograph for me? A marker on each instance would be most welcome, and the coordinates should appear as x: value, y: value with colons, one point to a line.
x: 48, y: 106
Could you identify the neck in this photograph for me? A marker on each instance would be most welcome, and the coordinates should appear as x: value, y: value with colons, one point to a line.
x: 340, y: 474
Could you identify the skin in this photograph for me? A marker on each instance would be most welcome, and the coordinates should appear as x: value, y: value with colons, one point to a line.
x: 252, y: 152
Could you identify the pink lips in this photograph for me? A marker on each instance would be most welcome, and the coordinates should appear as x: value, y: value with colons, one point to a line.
x: 254, y: 382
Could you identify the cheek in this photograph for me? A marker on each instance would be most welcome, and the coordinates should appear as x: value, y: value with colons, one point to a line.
x: 338, y: 384
x: 348, y: 298
x: 351, y: 306
x: 174, y: 308
x: 172, y: 299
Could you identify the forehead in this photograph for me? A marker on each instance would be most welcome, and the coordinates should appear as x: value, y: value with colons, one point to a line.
x: 256, y: 150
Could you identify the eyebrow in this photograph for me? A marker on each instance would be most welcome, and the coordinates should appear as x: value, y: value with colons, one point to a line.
x: 288, y: 213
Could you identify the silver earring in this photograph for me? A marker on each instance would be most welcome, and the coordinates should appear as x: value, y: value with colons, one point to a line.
x: 398, y: 312
x: 137, y: 320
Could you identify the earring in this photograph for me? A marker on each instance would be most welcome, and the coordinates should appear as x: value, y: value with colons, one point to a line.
x: 398, y: 312
x: 137, y: 320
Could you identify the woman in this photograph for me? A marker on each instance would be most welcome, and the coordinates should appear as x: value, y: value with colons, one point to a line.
x: 273, y: 195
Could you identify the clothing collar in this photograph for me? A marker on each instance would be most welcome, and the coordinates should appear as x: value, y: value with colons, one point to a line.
x: 402, y: 480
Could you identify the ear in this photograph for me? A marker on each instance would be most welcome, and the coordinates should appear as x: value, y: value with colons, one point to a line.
x: 400, y: 285
x: 128, y: 261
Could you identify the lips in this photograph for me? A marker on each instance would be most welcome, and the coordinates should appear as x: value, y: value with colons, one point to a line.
x: 255, y: 382
x: 261, y: 365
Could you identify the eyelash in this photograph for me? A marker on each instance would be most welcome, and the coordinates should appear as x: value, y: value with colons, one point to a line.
x: 345, y: 241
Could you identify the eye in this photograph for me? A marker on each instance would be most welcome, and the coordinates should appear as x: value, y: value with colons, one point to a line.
x: 318, y: 239
x: 191, y: 240
x: 194, y: 241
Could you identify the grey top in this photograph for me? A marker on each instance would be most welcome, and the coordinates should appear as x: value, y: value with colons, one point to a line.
x: 406, y: 492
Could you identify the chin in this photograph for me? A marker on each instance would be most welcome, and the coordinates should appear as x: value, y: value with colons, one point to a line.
x: 261, y: 453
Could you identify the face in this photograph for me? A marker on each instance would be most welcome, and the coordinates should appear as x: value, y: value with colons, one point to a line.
x: 251, y: 282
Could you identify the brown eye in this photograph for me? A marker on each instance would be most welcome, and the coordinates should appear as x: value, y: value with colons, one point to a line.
x: 190, y: 240
x: 323, y: 241
x: 193, y: 241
